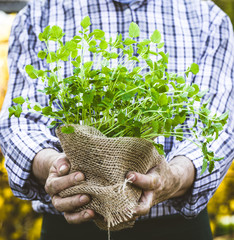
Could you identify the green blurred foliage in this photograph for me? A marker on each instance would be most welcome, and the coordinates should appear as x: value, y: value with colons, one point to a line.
x: 227, y: 6
x: 221, y: 206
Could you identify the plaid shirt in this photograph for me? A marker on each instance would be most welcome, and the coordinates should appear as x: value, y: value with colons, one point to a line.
x: 193, y: 31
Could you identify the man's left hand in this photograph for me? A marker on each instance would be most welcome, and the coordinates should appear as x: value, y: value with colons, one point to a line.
x: 173, y: 180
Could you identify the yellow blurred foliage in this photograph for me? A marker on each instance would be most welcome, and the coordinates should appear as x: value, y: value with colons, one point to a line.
x: 17, y: 219
x: 222, y: 205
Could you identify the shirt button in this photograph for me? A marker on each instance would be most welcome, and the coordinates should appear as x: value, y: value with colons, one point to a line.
x: 47, y: 198
x: 127, y: 11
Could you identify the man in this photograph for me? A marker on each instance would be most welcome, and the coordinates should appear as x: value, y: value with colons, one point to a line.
x: 193, y: 31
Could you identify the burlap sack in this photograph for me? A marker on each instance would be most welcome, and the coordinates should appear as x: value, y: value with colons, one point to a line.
x: 105, y: 162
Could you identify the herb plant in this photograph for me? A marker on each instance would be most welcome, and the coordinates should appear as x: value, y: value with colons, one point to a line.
x: 125, y: 99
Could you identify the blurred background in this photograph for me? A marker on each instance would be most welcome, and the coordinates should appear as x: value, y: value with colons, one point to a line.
x: 19, y: 222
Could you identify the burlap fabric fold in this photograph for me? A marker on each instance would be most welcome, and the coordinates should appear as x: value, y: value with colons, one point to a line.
x: 105, y: 162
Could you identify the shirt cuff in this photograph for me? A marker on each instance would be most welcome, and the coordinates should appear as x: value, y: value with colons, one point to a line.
x: 21, y: 151
x: 204, y: 186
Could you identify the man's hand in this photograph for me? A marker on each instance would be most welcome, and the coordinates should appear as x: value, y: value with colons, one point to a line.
x: 174, y: 180
x: 51, y: 169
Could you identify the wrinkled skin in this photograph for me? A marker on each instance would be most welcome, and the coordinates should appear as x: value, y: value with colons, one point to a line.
x: 51, y: 169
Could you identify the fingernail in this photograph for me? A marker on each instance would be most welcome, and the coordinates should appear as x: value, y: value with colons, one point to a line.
x: 86, y: 215
x: 131, y: 177
x: 63, y: 168
x: 79, y: 177
x: 84, y: 199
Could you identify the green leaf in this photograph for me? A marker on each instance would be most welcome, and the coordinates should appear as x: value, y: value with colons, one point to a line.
x: 204, y: 166
x: 145, y: 42
x: 154, y: 94
x: 51, y: 57
x: 218, y: 126
x: 67, y: 129
x: 19, y: 100
x: 211, y: 166
x: 41, y: 73
x: 114, y: 55
x: 37, y: 107
x: 180, y: 79
x: 63, y: 54
x: 88, y: 65
x: 15, y: 110
x: 51, y: 80
x: 70, y: 46
x: 164, y: 56
x: 46, y: 110
x: 11, y: 111
x: 134, y: 30
x: 194, y: 68
x: 44, y: 36
x: 168, y: 124
x: 85, y: 22
x: 98, y: 34
x: 88, y: 97
x: 52, y: 124
x: 103, y: 45
x: 75, y: 64
x: 56, y: 33
x: 180, y: 134
x: 202, y: 93
x: 121, y: 118
x: 134, y: 59
x: 218, y: 159
x: 156, y: 37
x: 18, y: 110
x: 209, y: 139
x: 159, y: 148
x: 223, y: 118
x: 92, y: 43
x: 74, y: 53
x: 160, y: 45
x: 155, y: 126
x: 129, y: 41
x: 42, y: 54
x: 149, y: 63
x: 163, y: 100
x: 31, y: 71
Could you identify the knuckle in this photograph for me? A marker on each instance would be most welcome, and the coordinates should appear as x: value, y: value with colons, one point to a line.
x: 52, y: 188
x: 145, y: 210
x: 75, y: 202
x: 55, y: 202
x: 48, y: 187
x: 68, y: 218
x: 152, y: 182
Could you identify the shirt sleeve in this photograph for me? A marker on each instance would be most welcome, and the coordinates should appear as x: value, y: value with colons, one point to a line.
x: 216, y: 74
x: 21, y: 139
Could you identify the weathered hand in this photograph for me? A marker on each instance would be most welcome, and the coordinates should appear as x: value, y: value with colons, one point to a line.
x: 57, y: 180
x: 174, y: 179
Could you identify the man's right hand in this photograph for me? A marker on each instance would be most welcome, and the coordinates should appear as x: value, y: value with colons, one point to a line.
x: 52, y: 170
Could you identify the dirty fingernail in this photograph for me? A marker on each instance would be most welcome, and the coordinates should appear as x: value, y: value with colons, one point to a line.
x: 84, y: 199
x: 86, y: 215
x: 79, y: 177
x: 62, y: 168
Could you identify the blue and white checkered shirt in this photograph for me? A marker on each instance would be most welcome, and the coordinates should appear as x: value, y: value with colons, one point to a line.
x: 193, y: 31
